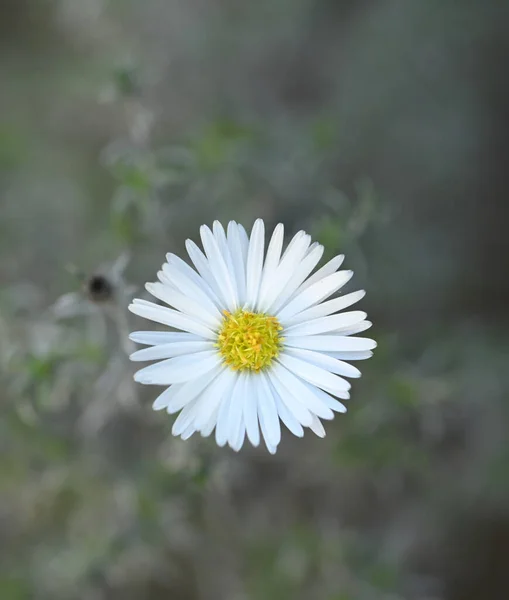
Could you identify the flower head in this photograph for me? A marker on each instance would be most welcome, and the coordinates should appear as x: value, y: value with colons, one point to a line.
x: 256, y: 338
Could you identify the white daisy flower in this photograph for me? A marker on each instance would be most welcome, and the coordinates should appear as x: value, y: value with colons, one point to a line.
x: 259, y: 338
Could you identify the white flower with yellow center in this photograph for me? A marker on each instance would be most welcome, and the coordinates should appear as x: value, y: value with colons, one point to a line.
x: 259, y: 339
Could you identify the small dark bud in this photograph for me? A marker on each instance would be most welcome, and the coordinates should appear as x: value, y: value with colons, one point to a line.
x: 99, y: 289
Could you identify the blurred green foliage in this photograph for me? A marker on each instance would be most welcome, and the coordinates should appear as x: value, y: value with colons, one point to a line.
x: 234, y: 111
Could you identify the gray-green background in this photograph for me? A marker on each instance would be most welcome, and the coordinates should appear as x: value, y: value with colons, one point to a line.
x: 382, y: 128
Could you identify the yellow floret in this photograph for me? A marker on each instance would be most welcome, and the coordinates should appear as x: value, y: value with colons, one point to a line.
x: 249, y: 341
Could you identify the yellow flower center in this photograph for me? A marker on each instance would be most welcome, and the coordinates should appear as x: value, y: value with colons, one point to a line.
x: 249, y: 341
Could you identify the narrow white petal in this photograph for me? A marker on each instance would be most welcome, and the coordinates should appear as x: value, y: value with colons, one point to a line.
x: 330, y: 343
x: 270, y: 448
x: 142, y: 302
x: 329, y: 363
x: 272, y: 258
x: 164, y: 277
x: 251, y: 410
x: 244, y: 241
x: 191, y: 390
x: 179, y: 369
x: 185, y: 304
x: 220, y: 235
x: 162, y: 400
x: 222, y: 424
x: 219, y: 268
x: 314, y: 294
x: 317, y: 427
x: 236, y: 409
x: 239, y: 264
x: 188, y: 432
x: 327, y: 399
x: 191, y: 285
x: 315, y: 375
x: 185, y: 419
x: 331, y: 267
x: 295, y: 239
x: 286, y: 416
x: 208, y: 428
x: 170, y: 350
x: 212, y: 397
x: 203, y: 267
x: 325, y: 308
x: 254, y: 263
x: 297, y: 409
x: 172, y: 318
x: 312, y: 248
x: 354, y: 329
x: 154, y: 338
x: 326, y: 324
x: 308, y: 263
x: 299, y: 392
x: 353, y: 355
x: 267, y: 410
x: 285, y: 271
x: 238, y: 442
x: 175, y: 263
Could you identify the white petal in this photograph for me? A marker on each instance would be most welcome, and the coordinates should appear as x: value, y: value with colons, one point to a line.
x: 331, y: 267
x: 298, y: 236
x: 190, y: 285
x: 296, y: 408
x: 299, y: 392
x: 222, y: 424
x: 286, y: 416
x: 254, y: 263
x: 327, y: 399
x: 354, y: 329
x: 236, y: 409
x: 271, y: 449
x: 317, y: 427
x: 326, y: 362
x: 170, y: 317
x: 219, y: 268
x: 175, y: 263
x: 202, y: 266
x: 244, y: 241
x: 191, y: 390
x: 354, y: 355
x: 188, y: 432
x: 185, y: 304
x: 267, y: 410
x: 285, y: 271
x: 220, y: 235
x: 179, y: 369
x: 312, y: 248
x: 325, y: 308
x: 272, y: 258
x: 301, y: 272
x: 239, y: 265
x: 251, y: 410
x: 185, y: 419
x: 330, y: 343
x: 170, y: 350
x: 208, y: 428
x: 315, y: 375
x: 314, y: 294
x: 162, y: 400
x: 154, y: 338
x: 212, y: 397
x: 326, y: 324
x: 238, y: 442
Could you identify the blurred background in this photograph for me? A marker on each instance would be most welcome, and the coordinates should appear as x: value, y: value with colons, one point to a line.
x: 379, y: 126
